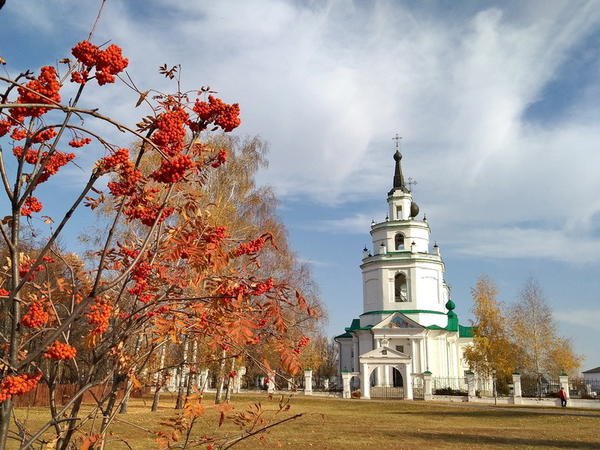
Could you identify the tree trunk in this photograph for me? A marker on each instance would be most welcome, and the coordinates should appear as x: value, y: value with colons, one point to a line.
x: 159, y: 378
x: 193, y: 370
x: 182, y: 376
x: 220, y: 378
x: 230, y: 381
x: 112, y: 399
x: 129, y: 384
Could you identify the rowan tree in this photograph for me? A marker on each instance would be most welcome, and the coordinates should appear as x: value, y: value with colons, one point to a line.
x: 172, y: 274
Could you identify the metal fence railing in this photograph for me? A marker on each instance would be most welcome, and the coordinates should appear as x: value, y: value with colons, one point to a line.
x: 582, y: 388
x: 449, y: 386
x: 539, y: 386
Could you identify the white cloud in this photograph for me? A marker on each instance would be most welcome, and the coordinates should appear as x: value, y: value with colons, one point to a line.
x: 580, y: 317
x: 355, y: 224
x: 327, y: 84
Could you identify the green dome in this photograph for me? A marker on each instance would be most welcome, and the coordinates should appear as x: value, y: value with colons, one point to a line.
x: 450, y: 305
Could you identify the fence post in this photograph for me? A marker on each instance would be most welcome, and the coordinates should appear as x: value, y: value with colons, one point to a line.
x: 308, y: 382
x: 271, y: 382
x: 346, y: 384
x: 517, y: 392
x: 427, y: 391
x: 471, y: 386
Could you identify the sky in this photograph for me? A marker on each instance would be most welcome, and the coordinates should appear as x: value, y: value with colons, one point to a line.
x: 497, y: 104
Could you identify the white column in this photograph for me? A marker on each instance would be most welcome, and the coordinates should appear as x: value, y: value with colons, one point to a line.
x: 355, y: 365
x: 364, y: 381
x: 427, y: 353
x: 326, y: 384
x: 379, y: 372
x: 308, y: 382
x: 422, y: 366
x: 386, y: 375
x: 408, y: 386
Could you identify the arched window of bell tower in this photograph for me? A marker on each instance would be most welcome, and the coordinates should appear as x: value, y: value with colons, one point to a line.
x: 399, y: 241
x: 400, y: 288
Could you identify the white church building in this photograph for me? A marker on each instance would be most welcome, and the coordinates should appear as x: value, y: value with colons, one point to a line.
x: 408, y: 327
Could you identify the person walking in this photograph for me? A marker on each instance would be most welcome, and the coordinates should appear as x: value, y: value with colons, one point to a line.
x: 562, y: 394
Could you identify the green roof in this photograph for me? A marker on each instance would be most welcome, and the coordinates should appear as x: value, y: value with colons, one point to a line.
x: 406, y: 311
x: 355, y: 325
x: 465, y: 331
x: 462, y: 330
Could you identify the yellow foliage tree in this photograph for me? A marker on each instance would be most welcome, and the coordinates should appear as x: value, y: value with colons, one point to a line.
x: 492, y: 349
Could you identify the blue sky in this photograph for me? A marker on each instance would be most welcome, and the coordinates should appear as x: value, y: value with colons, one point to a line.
x: 497, y: 103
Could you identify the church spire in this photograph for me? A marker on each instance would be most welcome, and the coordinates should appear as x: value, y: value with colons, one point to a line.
x: 398, y: 177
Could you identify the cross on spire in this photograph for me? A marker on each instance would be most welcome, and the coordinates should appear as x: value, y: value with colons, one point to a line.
x: 411, y: 182
x: 397, y: 139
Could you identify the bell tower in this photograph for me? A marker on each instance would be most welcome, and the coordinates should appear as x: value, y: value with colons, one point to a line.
x: 401, y: 273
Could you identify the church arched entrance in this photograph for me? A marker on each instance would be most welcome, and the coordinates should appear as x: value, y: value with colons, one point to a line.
x: 397, y: 378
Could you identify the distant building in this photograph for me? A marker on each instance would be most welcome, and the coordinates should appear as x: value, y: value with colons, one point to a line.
x: 408, y: 326
x: 592, y: 375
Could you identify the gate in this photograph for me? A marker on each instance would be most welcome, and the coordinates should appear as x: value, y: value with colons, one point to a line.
x: 418, y: 388
x: 387, y: 392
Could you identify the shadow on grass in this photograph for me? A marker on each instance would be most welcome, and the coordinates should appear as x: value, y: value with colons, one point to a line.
x: 479, y: 440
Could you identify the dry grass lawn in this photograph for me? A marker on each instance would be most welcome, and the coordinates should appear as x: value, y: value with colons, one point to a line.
x: 328, y: 423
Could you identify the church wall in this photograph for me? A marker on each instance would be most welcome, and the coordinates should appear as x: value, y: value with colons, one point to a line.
x: 372, y: 290
x: 365, y: 342
x: 346, y: 356
x: 416, y: 231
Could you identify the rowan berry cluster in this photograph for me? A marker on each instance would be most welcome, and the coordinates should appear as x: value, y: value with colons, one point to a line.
x: 263, y: 287
x: 108, y: 62
x: 36, y: 316
x: 4, y: 292
x: 30, y: 157
x: 60, y: 351
x: 99, y: 316
x: 30, y: 205
x: 140, y: 274
x: 18, y: 134
x: 26, y: 272
x: 77, y: 143
x: 250, y: 247
x: 5, y: 126
x: 43, y: 89
x: 215, y: 235
x: 13, y: 385
x: 217, y: 112
x: 173, y: 170
x: 43, y: 136
x: 146, y: 212
x: 170, y: 131
x: 114, y: 161
x: 220, y: 159
x: 53, y: 163
x: 303, y: 342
